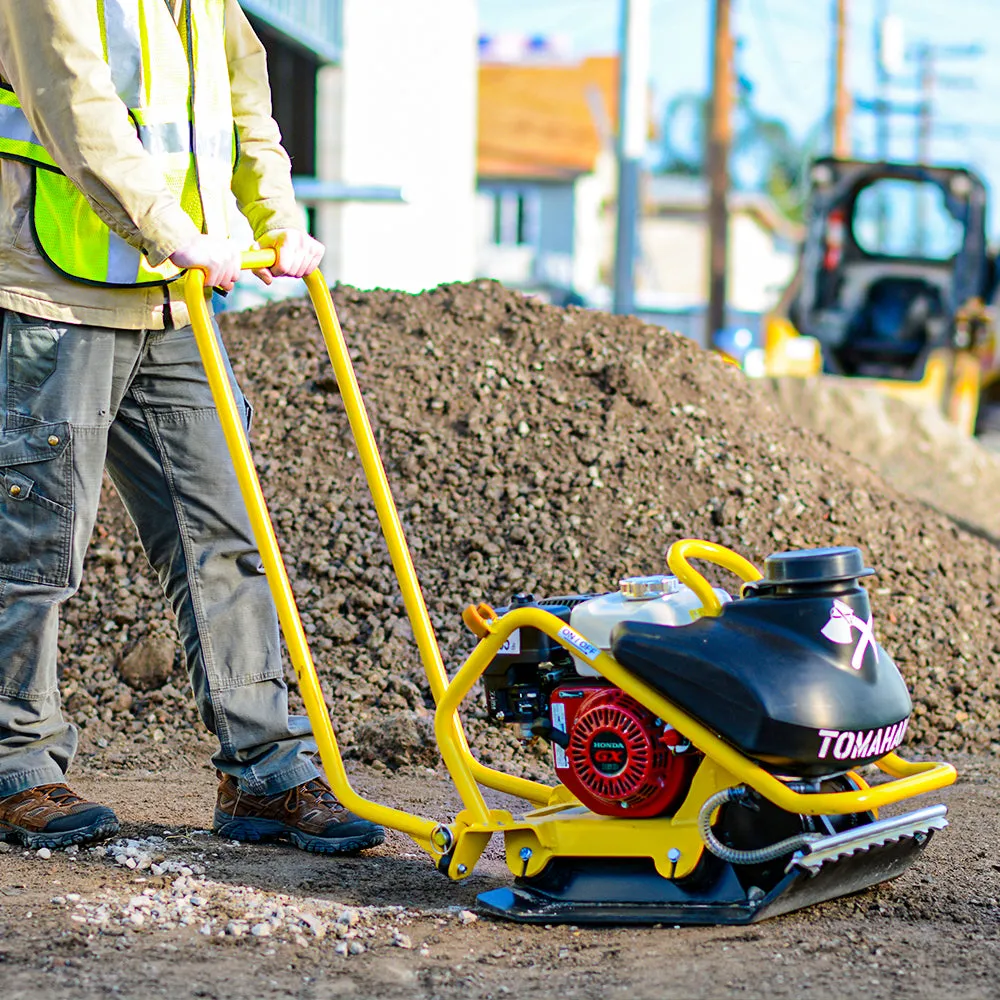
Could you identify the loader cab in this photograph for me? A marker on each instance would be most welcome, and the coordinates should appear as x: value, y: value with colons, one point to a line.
x: 892, y: 252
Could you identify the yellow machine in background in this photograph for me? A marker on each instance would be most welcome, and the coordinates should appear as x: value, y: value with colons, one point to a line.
x: 891, y: 288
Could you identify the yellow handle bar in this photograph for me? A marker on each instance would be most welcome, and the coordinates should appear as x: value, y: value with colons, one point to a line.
x: 692, y: 548
x: 422, y: 830
x: 291, y: 624
x: 255, y: 259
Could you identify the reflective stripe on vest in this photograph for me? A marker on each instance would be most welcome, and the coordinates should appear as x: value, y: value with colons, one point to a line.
x: 17, y: 140
x: 178, y: 98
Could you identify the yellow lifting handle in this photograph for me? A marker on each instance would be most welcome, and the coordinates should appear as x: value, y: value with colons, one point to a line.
x: 418, y: 828
x: 693, y: 548
x: 422, y: 830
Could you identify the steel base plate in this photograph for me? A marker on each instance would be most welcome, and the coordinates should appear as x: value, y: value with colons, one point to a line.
x: 630, y: 891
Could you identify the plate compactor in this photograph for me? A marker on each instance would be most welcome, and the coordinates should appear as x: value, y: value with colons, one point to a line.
x: 707, y: 748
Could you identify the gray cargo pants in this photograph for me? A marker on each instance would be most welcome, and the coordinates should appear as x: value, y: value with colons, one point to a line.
x: 74, y: 399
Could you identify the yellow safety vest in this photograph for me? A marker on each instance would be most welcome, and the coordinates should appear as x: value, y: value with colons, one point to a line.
x: 174, y: 80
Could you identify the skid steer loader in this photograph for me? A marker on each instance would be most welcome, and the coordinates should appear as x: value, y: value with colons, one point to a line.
x: 894, y: 286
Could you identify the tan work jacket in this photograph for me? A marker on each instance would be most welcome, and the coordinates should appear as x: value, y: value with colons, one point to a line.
x: 52, y: 55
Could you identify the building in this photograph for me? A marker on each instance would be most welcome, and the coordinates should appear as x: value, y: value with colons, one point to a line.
x: 674, y: 245
x: 377, y: 106
x: 546, y: 173
x: 672, y: 276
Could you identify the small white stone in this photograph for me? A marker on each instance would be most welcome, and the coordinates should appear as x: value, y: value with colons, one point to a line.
x: 340, y: 948
x: 73, y: 897
x: 356, y: 948
x: 350, y: 916
x: 44, y: 853
x: 402, y: 941
x: 314, y: 924
x: 261, y: 930
x: 467, y: 917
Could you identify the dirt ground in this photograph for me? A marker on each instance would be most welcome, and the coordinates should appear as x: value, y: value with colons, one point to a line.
x: 934, y: 932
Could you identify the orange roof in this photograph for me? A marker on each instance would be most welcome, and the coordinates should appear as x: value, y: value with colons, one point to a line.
x: 545, y: 121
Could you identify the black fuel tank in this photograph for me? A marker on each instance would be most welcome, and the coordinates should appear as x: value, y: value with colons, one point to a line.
x: 790, y: 673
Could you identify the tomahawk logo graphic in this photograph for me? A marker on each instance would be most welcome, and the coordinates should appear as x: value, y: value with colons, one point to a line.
x: 840, y: 629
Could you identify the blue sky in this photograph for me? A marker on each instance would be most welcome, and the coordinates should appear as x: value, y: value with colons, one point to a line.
x: 784, y: 51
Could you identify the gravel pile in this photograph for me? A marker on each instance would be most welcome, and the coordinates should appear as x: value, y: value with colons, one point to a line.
x: 913, y: 448
x: 530, y: 449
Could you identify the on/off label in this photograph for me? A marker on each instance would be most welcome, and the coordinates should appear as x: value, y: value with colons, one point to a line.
x: 513, y: 644
x: 577, y: 641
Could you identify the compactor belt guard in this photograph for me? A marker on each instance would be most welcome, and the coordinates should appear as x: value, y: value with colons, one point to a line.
x: 558, y: 846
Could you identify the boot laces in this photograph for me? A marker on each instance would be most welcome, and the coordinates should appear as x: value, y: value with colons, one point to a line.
x: 61, y: 795
x: 321, y: 794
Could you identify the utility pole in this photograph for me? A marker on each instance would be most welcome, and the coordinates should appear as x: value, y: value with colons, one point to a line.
x: 717, y: 162
x: 925, y: 118
x: 882, y: 27
x: 840, y: 100
x: 881, y: 112
x: 633, y: 122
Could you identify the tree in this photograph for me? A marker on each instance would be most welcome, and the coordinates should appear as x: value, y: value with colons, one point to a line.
x: 766, y: 155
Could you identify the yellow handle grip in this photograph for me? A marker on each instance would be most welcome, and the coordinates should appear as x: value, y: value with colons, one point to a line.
x: 693, y: 548
x: 254, y: 259
x: 251, y: 261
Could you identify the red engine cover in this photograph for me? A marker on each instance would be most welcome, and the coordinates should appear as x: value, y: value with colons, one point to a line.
x: 621, y: 760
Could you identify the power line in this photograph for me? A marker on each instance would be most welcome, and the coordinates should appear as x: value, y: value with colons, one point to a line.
x: 776, y: 59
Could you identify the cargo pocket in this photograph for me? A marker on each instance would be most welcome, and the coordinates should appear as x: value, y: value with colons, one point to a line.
x: 36, y: 504
x: 32, y: 350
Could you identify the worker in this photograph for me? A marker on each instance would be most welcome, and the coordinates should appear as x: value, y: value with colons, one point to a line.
x: 126, y: 128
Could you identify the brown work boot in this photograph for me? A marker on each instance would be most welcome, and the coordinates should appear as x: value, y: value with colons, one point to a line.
x: 53, y: 816
x: 308, y: 816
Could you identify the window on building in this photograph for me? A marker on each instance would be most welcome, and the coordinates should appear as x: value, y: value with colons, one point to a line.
x: 293, y: 76
x: 515, y: 218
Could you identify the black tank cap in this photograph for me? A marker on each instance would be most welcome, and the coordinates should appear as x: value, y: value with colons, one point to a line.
x: 815, y: 566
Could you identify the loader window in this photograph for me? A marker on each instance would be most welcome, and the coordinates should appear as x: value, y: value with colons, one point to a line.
x: 902, y: 218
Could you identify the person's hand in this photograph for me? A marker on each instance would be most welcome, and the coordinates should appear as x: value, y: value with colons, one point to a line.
x: 298, y: 254
x: 220, y: 259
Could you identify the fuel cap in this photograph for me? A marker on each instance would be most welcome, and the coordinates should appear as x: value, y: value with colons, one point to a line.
x: 815, y: 566
x: 643, y: 588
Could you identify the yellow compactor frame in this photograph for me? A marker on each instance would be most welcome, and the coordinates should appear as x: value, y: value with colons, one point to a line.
x: 556, y: 825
